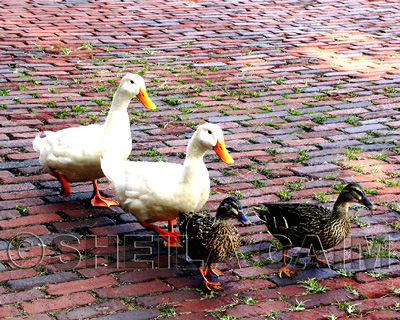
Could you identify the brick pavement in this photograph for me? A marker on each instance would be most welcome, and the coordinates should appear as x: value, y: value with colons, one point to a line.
x: 308, y: 94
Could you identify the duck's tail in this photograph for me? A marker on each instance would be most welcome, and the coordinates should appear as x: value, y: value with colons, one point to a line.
x: 37, y: 143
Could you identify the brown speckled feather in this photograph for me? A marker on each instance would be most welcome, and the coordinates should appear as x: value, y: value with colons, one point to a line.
x: 295, y: 225
x: 207, y: 239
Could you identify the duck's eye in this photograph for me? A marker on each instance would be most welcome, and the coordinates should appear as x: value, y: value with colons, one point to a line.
x: 132, y: 82
x: 209, y: 132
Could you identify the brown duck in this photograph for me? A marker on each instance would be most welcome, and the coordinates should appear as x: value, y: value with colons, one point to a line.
x: 311, y: 226
x: 209, y: 239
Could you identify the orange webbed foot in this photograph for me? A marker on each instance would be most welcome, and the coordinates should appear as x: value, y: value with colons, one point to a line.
x: 214, y: 271
x: 209, y: 285
x: 99, y: 201
x: 286, y: 271
x: 212, y: 285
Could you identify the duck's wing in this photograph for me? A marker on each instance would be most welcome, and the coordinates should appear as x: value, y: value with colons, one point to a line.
x: 71, y: 145
x: 291, y: 220
x: 152, y: 190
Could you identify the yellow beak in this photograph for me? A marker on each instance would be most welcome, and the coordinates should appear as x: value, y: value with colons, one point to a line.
x: 144, y: 98
x: 221, y: 151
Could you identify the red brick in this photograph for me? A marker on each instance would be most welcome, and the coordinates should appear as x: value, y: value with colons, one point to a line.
x: 137, y: 289
x: 323, y: 299
x: 81, y: 285
x: 54, y: 207
x: 364, y: 277
x: 17, y: 274
x: 202, y: 305
x: 253, y: 272
x: 375, y: 304
x: 244, y: 311
x: 63, y: 302
x: 382, y: 315
x: 378, y: 288
x: 314, y: 314
x: 23, y: 221
x: 39, y: 316
x: 36, y: 230
x: 8, y: 312
x: 195, y: 316
x: 337, y: 283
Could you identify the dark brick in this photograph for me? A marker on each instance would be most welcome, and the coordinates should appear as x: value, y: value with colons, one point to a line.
x: 11, y: 298
x: 169, y: 297
x: 135, y: 314
x: 22, y: 284
x: 244, y: 311
x: 92, y: 311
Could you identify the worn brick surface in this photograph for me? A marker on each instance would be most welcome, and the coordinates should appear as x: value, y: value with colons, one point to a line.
x: 81, y: 285
x: 308, y: 96
x: 67, y: 301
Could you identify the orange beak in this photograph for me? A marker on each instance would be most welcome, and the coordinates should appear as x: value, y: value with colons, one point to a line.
x: 221, y: 151
x: 144, y: 98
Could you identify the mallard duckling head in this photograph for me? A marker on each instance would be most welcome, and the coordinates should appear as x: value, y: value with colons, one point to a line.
x: 231, y: 208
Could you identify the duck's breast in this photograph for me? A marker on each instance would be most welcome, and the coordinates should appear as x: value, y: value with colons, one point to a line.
x: 159, y: 191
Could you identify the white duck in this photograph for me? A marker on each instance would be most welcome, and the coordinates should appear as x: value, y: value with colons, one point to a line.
x: 158, y: 191
x: 73, y: 154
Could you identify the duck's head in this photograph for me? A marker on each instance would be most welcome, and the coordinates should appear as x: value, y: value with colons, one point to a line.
x: 210, y: 136
x: 133, y: 85
x: 231, y: 208
x: 354, y: 193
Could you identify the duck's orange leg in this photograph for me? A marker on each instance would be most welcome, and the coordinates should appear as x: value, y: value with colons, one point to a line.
x: 171, y: 228
x: 169, y: 237
x: 98, y: 200
x: 209, y: 285
x: 320, y: 261
x: 283, y: 268
x: 65, y: 188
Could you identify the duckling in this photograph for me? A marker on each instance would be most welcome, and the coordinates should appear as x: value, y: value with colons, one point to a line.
x: 158, y: 191
x: 306, y: 225
x: 73, y: 154
x: 211, y: 239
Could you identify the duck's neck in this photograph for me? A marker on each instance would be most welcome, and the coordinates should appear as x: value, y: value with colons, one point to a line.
x: 223, y: 222
x: 340, y: 209
x: 117, y: 114
x: 194, y: 151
